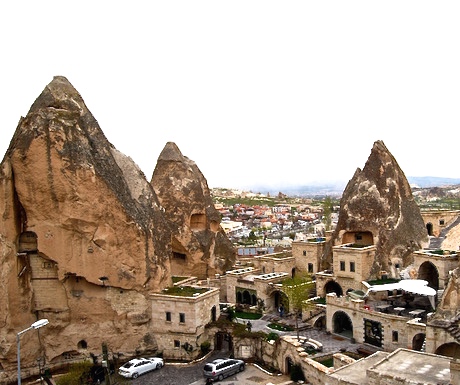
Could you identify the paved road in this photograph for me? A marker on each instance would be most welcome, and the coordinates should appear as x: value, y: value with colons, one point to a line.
x: 192, y: 374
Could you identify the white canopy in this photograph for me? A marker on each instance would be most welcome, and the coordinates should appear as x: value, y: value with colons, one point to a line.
x: 415, y: 286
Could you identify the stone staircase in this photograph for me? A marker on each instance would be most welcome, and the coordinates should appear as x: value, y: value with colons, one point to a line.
x: 454, y: 328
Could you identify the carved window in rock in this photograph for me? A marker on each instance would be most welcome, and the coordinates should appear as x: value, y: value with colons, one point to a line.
x: 168, y: 316
x: 362, y: 238
x: 182, y: 318
x: 176, y: 343
x: 177, y: 255
x: 82, y: 345
x: 310, y: 267
x: 198, y: 222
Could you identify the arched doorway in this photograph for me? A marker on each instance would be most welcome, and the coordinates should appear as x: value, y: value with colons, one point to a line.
x: 451, y: 349
x: 320, y: 323
x: 213, y: 314
x: 333, y: 287
x: 417, y: 341
x: 341, y: 324
x: 288, y: 364
x: 223, y: 342
x: 280, y: 299
x: 246, y: 297
x: 429, y: 229
x: 429, y: 273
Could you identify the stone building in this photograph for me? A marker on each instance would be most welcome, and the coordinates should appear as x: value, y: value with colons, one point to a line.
x: 179, y: 317
x: 248, y: 286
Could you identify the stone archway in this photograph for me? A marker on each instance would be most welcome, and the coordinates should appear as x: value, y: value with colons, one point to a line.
x: 341, y: 324
x: 333, y: 287
x: 429, y: 272
x: 417, y: 341
x: 320, y: 322
x: 451, y: 349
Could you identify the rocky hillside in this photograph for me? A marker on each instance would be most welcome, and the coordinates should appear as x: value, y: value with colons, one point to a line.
x: 85, y: 238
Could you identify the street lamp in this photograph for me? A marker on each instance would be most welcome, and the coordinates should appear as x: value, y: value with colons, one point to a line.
x: 36, y: 325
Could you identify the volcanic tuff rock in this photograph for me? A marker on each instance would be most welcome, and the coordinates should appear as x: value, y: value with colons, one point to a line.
x: 378, y: 199
x: 200, y: 246
x: 83, y: 238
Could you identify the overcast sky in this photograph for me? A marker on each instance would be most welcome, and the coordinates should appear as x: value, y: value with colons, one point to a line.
x: 255, y: 92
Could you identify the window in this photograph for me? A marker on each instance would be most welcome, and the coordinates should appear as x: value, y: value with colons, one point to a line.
x: 310, y: 267
x: 352, y: 267
x: 182, y: 318
x: 395, y: 336
x: 176, y: 343
x: 342, y: 265
x: 168, y: 316
x: 178, y: 255
x: 304, y: 253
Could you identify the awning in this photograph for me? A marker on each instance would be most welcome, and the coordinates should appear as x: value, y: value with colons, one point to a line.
x: 415, y: 286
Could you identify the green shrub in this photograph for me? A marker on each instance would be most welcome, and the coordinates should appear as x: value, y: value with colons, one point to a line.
x: 280, y: 327
x: 272, y: 336
x: 205, y: 347
x: 245, y: 315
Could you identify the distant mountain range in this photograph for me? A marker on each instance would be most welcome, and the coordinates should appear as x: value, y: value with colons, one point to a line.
x: 335, y: 188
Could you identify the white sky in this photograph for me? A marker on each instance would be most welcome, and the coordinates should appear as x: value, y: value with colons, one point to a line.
x: 255, y: 92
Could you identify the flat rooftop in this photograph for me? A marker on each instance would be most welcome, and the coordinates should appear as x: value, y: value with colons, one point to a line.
x: 414, y: 367
x: 401, y: 366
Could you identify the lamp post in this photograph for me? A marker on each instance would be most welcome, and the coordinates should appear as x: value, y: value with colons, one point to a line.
x: 36, y: 325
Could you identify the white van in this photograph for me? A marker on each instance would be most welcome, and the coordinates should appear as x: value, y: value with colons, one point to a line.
x: 220, y: 368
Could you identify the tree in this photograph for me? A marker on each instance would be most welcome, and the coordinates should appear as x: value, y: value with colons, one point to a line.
x: 298, y: 290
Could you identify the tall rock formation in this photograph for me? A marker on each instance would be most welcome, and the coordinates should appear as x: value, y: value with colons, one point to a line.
x: 200, y: 247
x: 83, y: 239
x: 377, y: 205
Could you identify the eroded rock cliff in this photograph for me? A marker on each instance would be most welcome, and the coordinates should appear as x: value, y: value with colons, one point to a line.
x: 377, y: 206
x: 83, y: 239
x: 199, y: 244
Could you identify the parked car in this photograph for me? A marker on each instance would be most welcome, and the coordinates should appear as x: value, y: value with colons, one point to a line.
x: 220, y: 368
x: 137, y: 366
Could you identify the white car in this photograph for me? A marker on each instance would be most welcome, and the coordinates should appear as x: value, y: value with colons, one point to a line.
x: 137, y: 366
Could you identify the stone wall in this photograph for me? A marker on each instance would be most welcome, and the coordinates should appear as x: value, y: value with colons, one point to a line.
x: 356, y: 311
